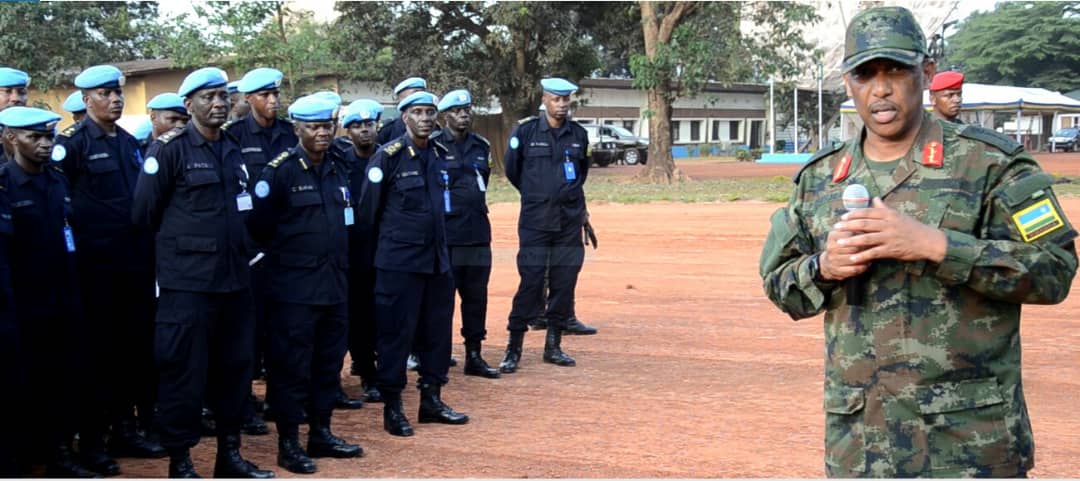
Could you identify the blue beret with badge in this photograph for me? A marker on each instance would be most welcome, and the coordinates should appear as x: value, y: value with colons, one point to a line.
x: 143, y: 130
x: 204, y: 78
x: 29, y: 118
x: 313, y: 109
x: 558, y: 86
x: 168, y: 101
x: 232, y: 87
x: 417, y: 98
x: 262, y: 78
x: 456, y: 98
x: 10, y: 77
x: 361, y: 111
x: 100, y: 76
x: 329, y: 96
x: 74, y: 103
x: 410, y: 83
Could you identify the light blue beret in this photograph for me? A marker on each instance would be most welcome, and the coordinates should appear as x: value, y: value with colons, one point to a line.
x: 168, y: 101
x: 204, y: 78
x: 329, y: 96
x: 29, y: 118
x: 74, y: 103
x: 231, y: 86
x: 558, y: 86
x: 456, y: 98
x: 10, y: 77
x: 143, y: 130
x: 100, y: 76
x: 417, y: 98
x: 361, y: 111
x: 311, y: 108
x: 410, y: 83
x: 262, y: 78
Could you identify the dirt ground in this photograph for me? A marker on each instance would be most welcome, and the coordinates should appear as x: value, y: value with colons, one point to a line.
x: 693, y: 373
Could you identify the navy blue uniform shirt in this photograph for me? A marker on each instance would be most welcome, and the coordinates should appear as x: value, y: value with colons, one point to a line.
x: 299, y: 220
x: 187, y: 194
x: 102, y: 171
x: 260, y: 145
x: 405, y: 207
x: 361, y: 235
x: 467, y: 222
x: 535, y: 165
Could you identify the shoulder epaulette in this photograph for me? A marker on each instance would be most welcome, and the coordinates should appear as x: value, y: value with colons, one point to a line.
x: 172, y: 134
x: 228, y: 124
x: 393, y: 148
x: 439, y: 145
x: 71, y: 129
x: 279, y: 159
x: 285, y: 120
x: 482, y: 139
x: 527, y: 119
x: 820, y: 154
x: 55, y: 166
x: 1001, y: 141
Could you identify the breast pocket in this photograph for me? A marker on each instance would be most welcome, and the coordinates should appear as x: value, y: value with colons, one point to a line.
x: 537, y: 157
x: 305, y: 199
x: 202, y: 186
x: 964, y: 424
x: 413, y: 195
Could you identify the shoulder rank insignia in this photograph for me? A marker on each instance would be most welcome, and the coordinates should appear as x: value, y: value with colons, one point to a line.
x: 1000, y: 141
x: 842, y: 169
x: 1037, y: 220
x: 228, y: 124
x: 393, y: 148
x: 277, y: 160
x: 932, y: 155
x: 70, y: 130
x: 167, y: 136
x: 820, y: 154
x: 527, y: 119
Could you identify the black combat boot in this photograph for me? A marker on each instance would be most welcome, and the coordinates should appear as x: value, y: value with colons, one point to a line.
x: 434, y: 410
x: 180, y: 465
x: 64, y: 464
x: 323, y: 444
x: 292, y: 457
x: 512, y: 358
x: 475, y: 365
x: 343, y: 401
x: 230, y: 464
x: 552, y: 352
x: 127, y: 442
x: 255, y: 426
x: 537, y: 324
x: 92, y: 456
x: 371, y: 393
x: 574, y: 327
x: 394, y: 420
x: 207, y: 424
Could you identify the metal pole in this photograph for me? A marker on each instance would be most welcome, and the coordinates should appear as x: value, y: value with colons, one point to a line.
x: 795, y: 135
x: 772, y: 119
x: 820, y: 120
x: 1019, y: 116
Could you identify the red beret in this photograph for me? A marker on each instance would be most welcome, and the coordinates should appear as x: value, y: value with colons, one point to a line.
x: 947, y: 80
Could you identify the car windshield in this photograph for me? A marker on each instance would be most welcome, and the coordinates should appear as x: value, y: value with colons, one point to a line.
x: 1066, y: 133
x: 621, y: 132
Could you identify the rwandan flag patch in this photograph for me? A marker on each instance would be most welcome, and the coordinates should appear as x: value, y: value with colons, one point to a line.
x: 1038, y: 220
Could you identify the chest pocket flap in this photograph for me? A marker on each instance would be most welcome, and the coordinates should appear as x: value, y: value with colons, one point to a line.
x: 101, y: 166
x: 538, y: 151
x: 409, y: 183
x: 304, y: 199
x: 202, y: 177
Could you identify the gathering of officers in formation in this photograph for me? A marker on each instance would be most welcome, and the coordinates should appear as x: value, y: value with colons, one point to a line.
x: 223, y: 242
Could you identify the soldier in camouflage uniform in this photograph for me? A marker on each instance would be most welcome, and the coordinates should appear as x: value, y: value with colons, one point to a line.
x: 922, y: 378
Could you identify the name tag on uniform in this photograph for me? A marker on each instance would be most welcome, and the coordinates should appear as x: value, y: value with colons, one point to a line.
x: 349, y: 219
x: 480, y: 182
x: 243, y: 201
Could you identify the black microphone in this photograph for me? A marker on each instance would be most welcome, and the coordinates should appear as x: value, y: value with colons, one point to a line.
x: 855, y: 197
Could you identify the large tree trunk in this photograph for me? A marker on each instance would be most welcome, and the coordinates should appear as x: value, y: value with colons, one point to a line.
x: 660, y: 168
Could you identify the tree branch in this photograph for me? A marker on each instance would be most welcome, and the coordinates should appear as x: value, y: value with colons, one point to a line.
x: 672, y: 19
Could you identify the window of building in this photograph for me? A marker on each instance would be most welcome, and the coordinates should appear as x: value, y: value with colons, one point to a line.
x: 734, y: 129
x: 695, y: 131
x: 675, y: 125
x: 609, y: 122
x: 629, y: 125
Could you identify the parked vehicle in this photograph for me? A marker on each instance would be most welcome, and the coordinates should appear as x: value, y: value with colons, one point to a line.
x: 612, y: 144
x: 1065, y: 140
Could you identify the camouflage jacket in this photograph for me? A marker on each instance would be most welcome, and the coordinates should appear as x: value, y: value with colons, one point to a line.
x: 924, y: 378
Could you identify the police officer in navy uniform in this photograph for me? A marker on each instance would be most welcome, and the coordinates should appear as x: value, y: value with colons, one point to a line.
x: 74, y: 105
x: 407, y: 192
x: 238, y: 107
x: 13, y: 93
x: 167, y: 112
x: 116, y: 272
x: 395, y: 127
x: 468, y: 230
x: 46, y: 293
x: 360, y: 122
x: 303, y: 208
x: 11, y: 376
x: 547, y: 160
x: 193, y: 192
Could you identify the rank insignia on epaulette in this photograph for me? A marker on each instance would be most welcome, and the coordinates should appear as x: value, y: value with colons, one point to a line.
x: 69, y: 130
x: 412, y: 153
x: 228, y: 124
x: 1037, y: 220
x: 277, y: 160
x: 526, y: 119
x: 932, y: 155
x: 842, y: 168
x: 390, y: 149
x: 167, y: 136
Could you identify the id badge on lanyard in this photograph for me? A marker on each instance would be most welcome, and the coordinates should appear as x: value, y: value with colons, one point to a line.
x: 446, y: 191
x: 69, y: 237
x: 349, y: 217
x: 243, y: 199
x: 479, y: 178
x: 568, y: 167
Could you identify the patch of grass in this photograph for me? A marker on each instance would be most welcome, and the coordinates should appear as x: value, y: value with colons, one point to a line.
x: 608, y: 189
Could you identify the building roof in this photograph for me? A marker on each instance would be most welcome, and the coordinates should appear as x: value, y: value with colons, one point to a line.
x: 1002, y: 97
x: 142, y: 67
x: 627, y: 84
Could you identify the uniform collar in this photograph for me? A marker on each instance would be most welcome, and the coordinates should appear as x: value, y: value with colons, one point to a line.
x: 95, y: 130
x: 544, y: 126
x: 254, y: 127
x: 911, y: 163
x: 20, y: 176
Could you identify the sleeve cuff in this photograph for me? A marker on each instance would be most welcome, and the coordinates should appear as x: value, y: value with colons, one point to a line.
x: 805, y: 280
x: 960, y: 257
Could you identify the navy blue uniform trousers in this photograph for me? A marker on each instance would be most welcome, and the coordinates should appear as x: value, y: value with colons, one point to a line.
x: 560, y: 254
x: 412, y: 306
x: 472, y: 271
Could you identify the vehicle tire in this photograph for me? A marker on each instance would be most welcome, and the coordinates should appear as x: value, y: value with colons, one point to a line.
x: 631, y: 157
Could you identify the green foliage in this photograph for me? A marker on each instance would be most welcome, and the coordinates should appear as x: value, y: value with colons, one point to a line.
x: 1028, y: 44
x: 53, y: 41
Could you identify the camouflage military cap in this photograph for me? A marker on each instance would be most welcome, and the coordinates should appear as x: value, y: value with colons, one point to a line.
x: 885, y: 32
